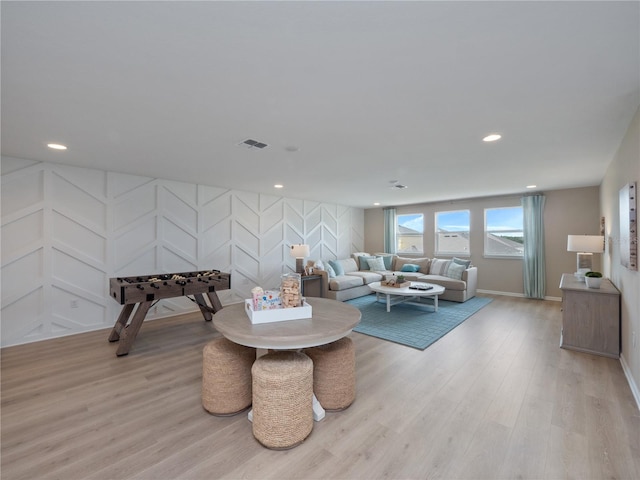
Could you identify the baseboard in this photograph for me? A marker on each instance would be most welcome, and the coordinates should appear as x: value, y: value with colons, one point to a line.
x: 512, y: 294
x: 630, y: 380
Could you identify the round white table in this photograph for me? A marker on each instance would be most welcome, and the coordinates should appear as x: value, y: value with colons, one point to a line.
x: 408, y: 295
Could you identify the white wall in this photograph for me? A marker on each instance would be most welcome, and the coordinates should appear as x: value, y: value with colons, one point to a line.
x: 67, y: 230
x: 624, y: 168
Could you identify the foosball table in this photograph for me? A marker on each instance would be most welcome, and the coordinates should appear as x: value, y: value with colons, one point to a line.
x: 143, y: 291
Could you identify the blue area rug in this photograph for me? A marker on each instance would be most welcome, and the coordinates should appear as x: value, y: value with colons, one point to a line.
x: 411, y: 325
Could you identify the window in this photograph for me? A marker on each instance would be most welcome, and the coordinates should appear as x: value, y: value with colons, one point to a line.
x: 409, y: 233
x: 452, y: 233
x: 503, y: 235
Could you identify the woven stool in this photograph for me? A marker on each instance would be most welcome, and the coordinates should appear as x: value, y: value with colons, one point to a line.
x: 334, y: 373
x: 282, y: 399
x: 226, y: 377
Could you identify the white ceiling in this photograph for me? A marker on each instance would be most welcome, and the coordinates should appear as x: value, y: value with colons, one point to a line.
x: 367, y: 92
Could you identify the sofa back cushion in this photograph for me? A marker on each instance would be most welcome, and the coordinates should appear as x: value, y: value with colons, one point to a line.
x: 348, y: 265
x: 423, y: 264
x: 439, y: 266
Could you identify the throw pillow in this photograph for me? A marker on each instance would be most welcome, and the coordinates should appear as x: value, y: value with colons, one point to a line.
x: 363, y: 261
x: 455, y: 271
x: 410, y: 267
x: 439, y: 266
x: 376, y: 264
x: 459, y: 261
x: 330, y: 271
x: 337, y: 268
x: 388, y: 261
x: 318, y: 265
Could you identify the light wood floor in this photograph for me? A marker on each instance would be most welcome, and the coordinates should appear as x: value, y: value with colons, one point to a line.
x: 496, y: 398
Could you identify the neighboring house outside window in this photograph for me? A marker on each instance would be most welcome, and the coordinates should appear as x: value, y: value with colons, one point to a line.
x: 410, y: 233
x: 503, y: 232
x: 452, y: 233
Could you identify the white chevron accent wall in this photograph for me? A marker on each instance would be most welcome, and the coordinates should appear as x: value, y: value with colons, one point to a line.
x: 67, y: 230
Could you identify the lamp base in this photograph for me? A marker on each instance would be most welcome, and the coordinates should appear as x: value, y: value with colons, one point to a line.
x: 580, y: 274
x: 584, y: 261
x: 299, y: 266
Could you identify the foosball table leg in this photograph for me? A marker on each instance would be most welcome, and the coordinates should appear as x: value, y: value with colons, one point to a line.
x: 215, y: 301
x: 121, y: 323
x: 202, y: 304
x: 128, y: 334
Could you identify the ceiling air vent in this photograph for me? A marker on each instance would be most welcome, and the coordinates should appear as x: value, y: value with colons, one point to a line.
x: 249, y: 143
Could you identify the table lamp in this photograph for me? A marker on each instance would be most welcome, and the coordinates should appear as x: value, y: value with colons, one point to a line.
x: 299, y: 252
x: 585, y: 246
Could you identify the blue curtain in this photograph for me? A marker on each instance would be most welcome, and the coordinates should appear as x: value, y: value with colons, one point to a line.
x: 390, y: 230
x: 533, y: 231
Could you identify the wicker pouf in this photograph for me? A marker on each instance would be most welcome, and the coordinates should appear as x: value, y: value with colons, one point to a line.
x: 282, y: 399
x: 334, y: 373
x: 226, y: 377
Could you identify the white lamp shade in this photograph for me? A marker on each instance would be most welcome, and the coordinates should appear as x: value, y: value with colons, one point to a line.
x: 585, y: 243
x: 299, y: 251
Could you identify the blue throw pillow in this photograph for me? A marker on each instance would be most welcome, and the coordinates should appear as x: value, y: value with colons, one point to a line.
x: 459, y: 261
x: 364, y: 262
x: 410, y: 267
x: 388, y: 261
x: 337, y: 267
x: 330, y: 271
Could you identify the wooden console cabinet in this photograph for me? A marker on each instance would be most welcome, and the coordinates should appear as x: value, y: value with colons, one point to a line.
x: 590, y: 317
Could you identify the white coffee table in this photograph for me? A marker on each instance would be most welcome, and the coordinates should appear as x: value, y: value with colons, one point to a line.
x: 395, y: 295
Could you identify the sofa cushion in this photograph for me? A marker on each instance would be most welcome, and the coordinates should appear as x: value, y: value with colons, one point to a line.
x: 423, y: 263
x: 367, y: 277
x: 439, y: 266
x: 348, y: 265
x: 455, y: 271
x: 337, y: 267
x: 446, y: 282
x: 342, y: 282
x: 376, y: 264
x: 410, y: 267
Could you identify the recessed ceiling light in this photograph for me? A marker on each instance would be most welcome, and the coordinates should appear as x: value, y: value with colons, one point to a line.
x: 492, y: 138
x: 376, y: 203
x: 277, y: 185
x: 56, y: 146
x: 531, y: 186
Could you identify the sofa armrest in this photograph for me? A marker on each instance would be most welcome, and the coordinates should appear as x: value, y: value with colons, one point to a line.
x: 325, y: 281
x: 470, y: 276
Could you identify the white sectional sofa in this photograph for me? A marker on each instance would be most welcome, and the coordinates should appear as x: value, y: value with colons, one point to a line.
x: 349, y: 278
